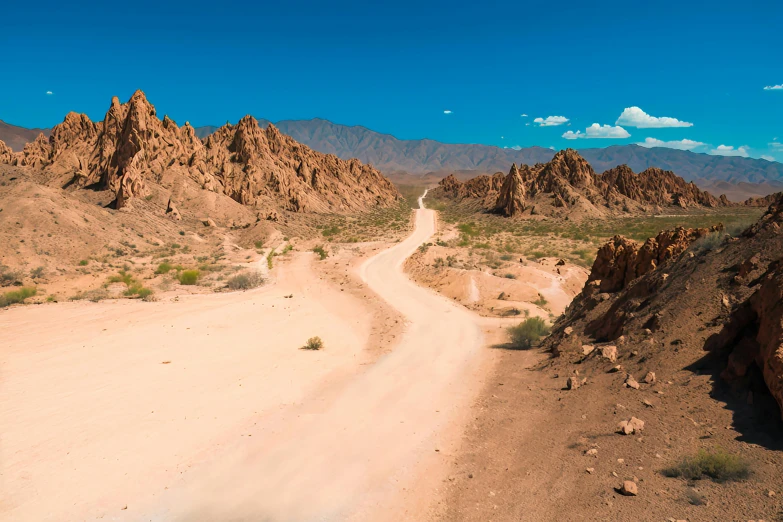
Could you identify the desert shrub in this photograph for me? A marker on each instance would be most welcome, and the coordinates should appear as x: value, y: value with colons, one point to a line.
x: 286, y: 249
x: 528, y: 333
x: 36, y: 273
x: 83, y: 262
x: 122, y: 277
x: 716, y: 465
x: 707, y: 243
x: 313, y: 343
x: 17, y: 296
x: 245, y: 281
x: 9, y: 277
x: 94, y: 296
x: 541, y: 301
x: 322, y: 254
x: 138, y: 290
x: 164, y: 268
x: 509, y: 276
x: 259, y: 244
x: 189, y: 277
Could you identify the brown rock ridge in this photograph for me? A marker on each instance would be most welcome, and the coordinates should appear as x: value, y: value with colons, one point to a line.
x: 484, y: 188
x: 568, y: 182
x: 623, y: 260
x: 661, y: 307
x: 132, y: 147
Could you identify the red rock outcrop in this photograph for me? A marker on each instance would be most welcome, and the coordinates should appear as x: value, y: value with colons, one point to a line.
x: 6, y: 154
x: 622, y: 260
x: 569, y: 182
x: 511, y: 200
x: 767, y: 303
x: 131, y: 147
x: 764, y: 201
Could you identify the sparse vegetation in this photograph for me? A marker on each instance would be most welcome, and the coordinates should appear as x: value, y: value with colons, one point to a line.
x: 83, y: 262
x: 717, y: 465
x: 528, y: 333
x: 322, y: 254
x: 189, y: 277
x: 17, y: 296
x: 313, y: 343
x: 541, y: 301
x: 166, y: 267
x: 245, y: 281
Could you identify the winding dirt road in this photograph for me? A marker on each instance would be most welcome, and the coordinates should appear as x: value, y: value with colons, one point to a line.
x: 355, y: 442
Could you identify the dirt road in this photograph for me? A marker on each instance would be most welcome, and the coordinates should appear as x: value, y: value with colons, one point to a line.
x: 205, y: 409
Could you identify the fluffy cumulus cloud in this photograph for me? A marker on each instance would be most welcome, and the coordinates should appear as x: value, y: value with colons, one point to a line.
x: 774, y: 87
x: 675, y: 144
x: 598, y: 131
x: 729, y: 150
x: 523, y: 115
x: 446, y: 112
x: 636, y: 117
x: 551, y: 121
x: 49, y: 93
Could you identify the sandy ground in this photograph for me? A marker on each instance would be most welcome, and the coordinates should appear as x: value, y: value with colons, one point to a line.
x: 204, y: 408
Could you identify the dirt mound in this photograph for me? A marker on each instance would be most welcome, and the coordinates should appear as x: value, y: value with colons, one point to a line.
x: 132, y: 147
x: 569, y: 183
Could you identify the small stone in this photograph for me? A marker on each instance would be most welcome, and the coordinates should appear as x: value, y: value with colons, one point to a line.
x: 630, y: 382
x: 609, y: 352
x: 770, y: 493
x: 568, y: 330
x: 470, y: 475
x: 591, y: 451
x: 572, y: 383
x: 590, y: 470
x: 620, y: 461
x: 629, y: 427
x: 615, y: 369
x: 647, y: 403
x: 629, y: 489
x: 649, y: 378
x: 587, y: 349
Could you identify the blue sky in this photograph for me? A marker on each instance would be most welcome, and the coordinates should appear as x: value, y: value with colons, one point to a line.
x: 398, y: 67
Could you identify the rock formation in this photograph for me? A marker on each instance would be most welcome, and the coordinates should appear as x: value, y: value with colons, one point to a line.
x: 622, y: 260
x: 511, y: 200
x: 132, y: 147
x: 569, y: 183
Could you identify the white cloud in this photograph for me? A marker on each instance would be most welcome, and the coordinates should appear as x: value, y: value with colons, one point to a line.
x: 446, y: 112
x: 675, y: 144
x: 768, y: 158
x: 527, y: 125
x: 776, y: 145
x: 636, y: 117
x: 515, y: 147
x: 774, y: 87
x: 729, y: 150
x: 523, y: 115
x: 551, y: 121
x: 49, y: 93
x: 551, y: 147
x: 598, y: 131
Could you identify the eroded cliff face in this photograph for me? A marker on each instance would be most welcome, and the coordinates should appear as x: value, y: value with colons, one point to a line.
x: 511, y: 200
x: 622, y: 260
x: 132, y: 147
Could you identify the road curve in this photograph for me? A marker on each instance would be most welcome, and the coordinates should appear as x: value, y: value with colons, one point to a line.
x: 356, y: 453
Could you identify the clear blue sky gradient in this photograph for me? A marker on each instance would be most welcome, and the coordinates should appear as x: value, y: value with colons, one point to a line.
x: 395, y: 68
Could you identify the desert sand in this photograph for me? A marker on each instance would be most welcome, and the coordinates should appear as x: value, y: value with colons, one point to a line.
x: 205, y: 408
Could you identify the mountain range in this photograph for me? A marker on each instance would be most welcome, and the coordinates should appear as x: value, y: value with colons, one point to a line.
x: 719, y: 174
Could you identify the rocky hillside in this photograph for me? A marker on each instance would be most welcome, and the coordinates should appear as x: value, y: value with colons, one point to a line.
x: 569, y: 183
x: 132, y: 147
x: 684, y: 294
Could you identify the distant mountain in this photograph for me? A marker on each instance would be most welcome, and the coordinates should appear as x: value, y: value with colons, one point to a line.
x: 16, y: 137
x: 392, y: 155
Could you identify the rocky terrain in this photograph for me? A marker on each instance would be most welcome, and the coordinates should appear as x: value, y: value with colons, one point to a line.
x: 132, y: 148
x: 569, y: 184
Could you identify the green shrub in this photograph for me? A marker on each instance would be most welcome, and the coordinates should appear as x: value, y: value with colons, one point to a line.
x: 245, y: 281
x: 122, y: 277
x: 83, y: 262
x: 541, y: 301
x: 164, y: 268
x: 709, y: 242
x: 136, y: 289
x: 322, y: 254
x: 509, y: 276
x: 528, y: 333
x: 259, y: 244
x: 717, y: 465
x: 189, y: 277
x: 287, y: 249
x: 17, y: 296
x: 313, y: 343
